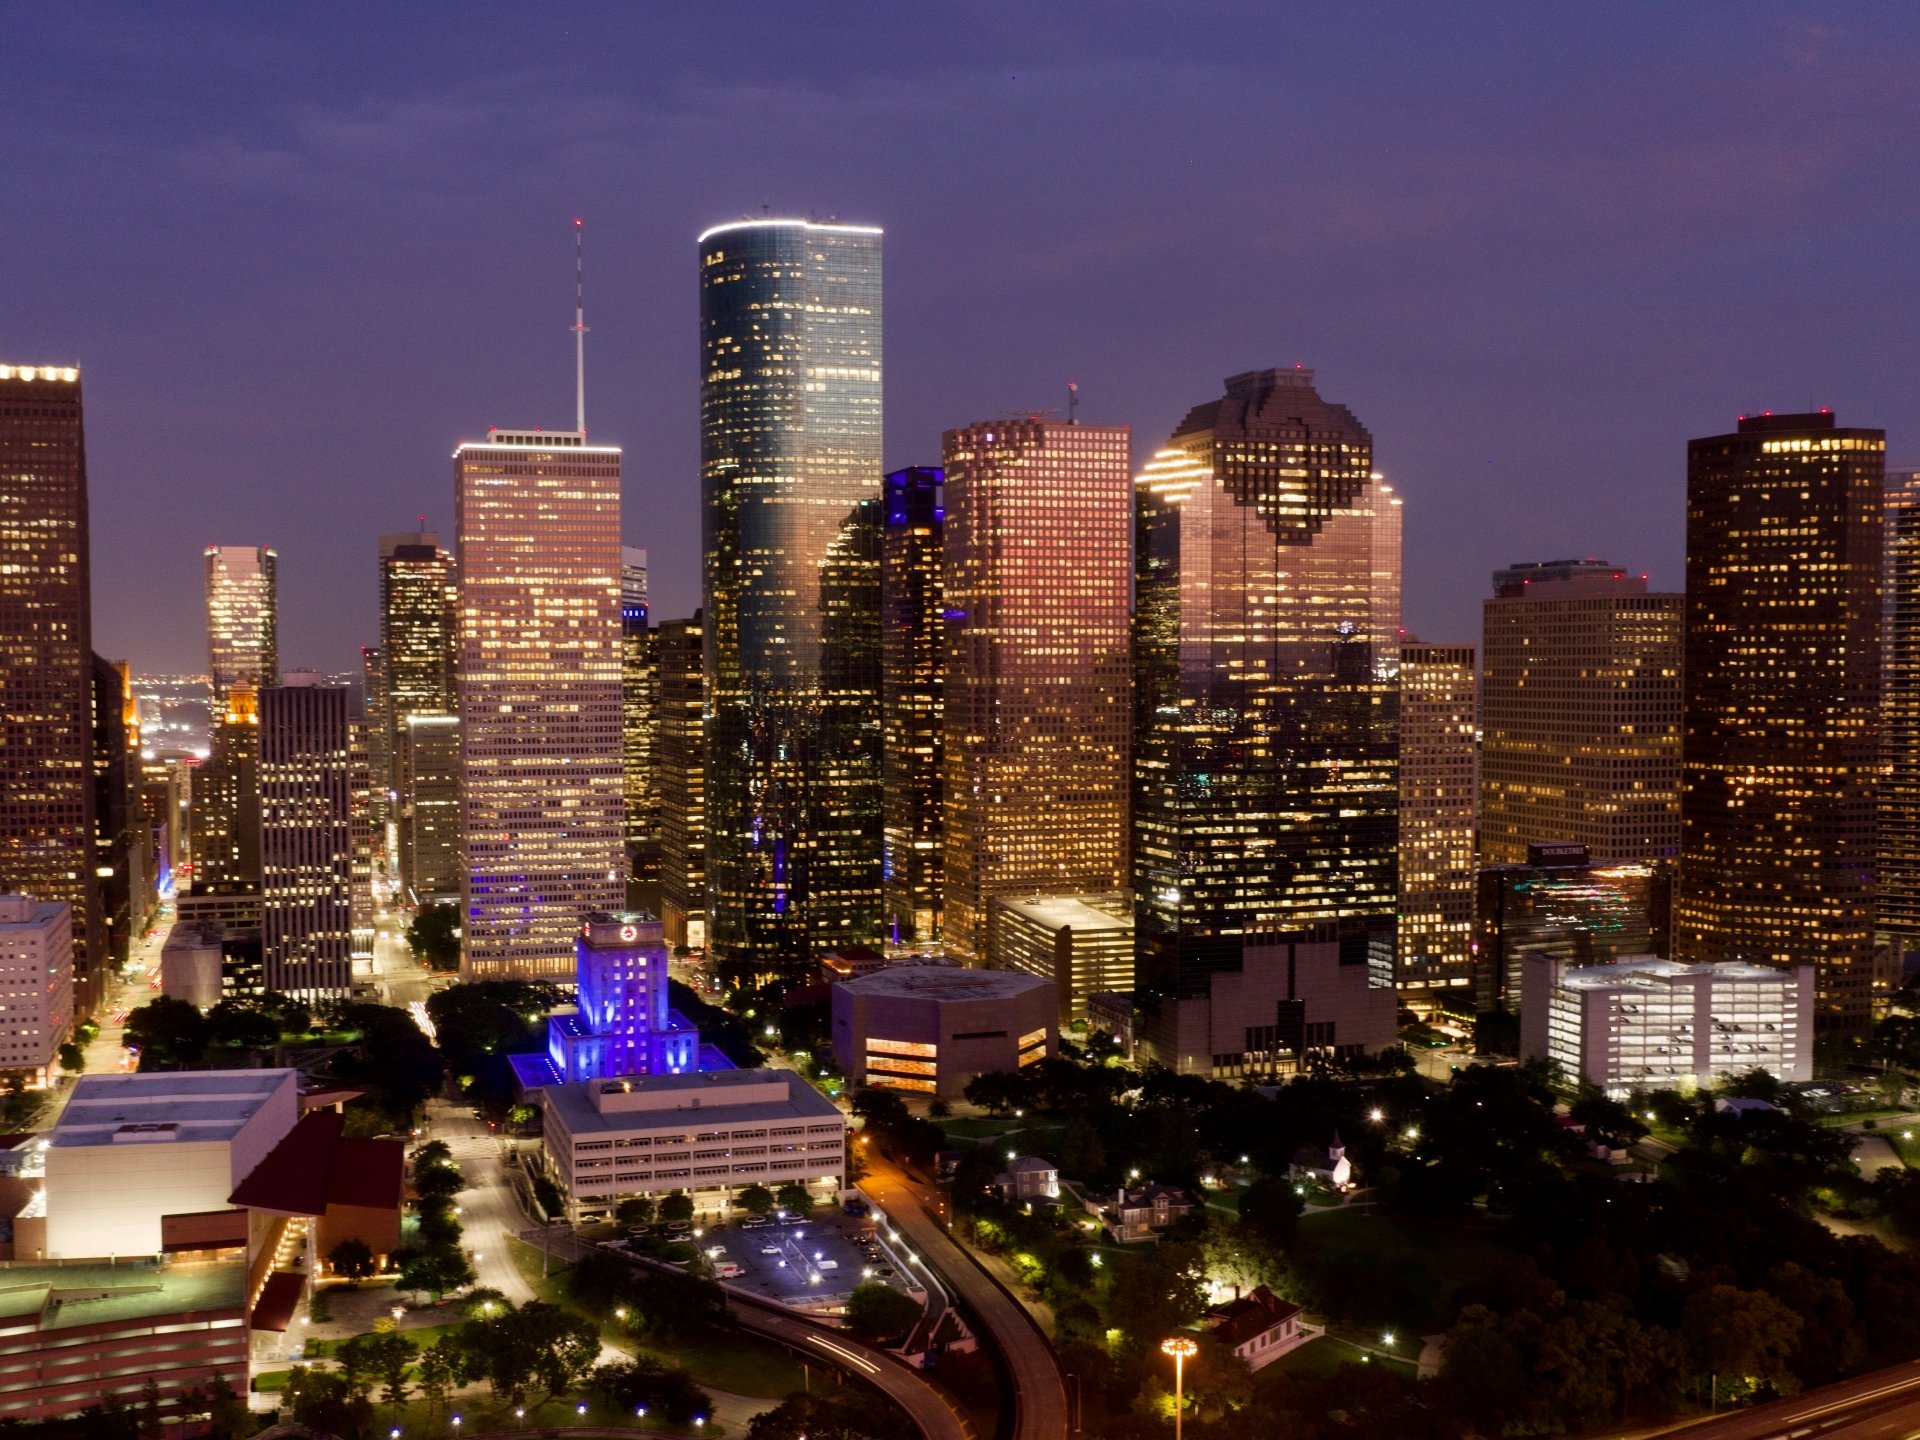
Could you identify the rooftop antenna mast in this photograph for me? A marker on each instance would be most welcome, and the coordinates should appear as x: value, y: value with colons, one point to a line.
x: 579, y: 331
x: 1073, y: 402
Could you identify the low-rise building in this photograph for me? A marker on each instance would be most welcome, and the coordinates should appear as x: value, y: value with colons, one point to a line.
x: 1083, y: 943
x: 1323, y: 1164
x: 1260, y: 1327
x: 36, y: 984
x: 1648, y: 1023
x: 849, y: 962
x: 932, y: 1028
x: 710, y: 1134
x: 1140, y: 1213
x: 1028, y: 1177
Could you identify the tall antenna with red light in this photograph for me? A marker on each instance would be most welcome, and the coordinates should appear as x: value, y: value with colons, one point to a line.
x: 579, y: 330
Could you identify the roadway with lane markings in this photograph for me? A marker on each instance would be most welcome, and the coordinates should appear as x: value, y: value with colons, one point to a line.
x: 1882, y: 1406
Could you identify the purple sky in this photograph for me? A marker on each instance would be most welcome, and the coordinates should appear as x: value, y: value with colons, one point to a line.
x: 303, y: 251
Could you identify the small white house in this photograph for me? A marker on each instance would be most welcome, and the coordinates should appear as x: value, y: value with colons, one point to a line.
x: 1328, y: 1166
x: 1260, y: 1327
x: 1028, y: 1178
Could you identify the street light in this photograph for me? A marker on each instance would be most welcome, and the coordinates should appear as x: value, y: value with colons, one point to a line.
x: 1182, y: 1350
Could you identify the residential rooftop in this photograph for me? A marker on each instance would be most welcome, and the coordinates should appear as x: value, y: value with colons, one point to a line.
x: 939, y: 982
x: 676, y: 1097
x: 197, y: 1105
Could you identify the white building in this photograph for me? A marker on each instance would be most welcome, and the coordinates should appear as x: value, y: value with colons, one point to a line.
x: 1644, y: 1022
x: 190, y: 964
x: 129, y: 1149
x: 1083, y: 943
x: 36, y: 982
x: 710, y: 1135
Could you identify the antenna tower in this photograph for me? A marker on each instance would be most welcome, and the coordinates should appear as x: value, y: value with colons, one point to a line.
x: 579, y: 331
x: 1073, y: 402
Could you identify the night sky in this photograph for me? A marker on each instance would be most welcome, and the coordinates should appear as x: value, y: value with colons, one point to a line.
x: 301, y: 252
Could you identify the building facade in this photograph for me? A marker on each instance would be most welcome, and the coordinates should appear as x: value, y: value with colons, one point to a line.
x: 538, y: 516
x: 428, y: 815
x: 679, y: 650
x: 1580, y: 712
x: 1037, y: 685
x: 243, y: 618
x: 306, y: 838
x: 1266, y: 652
x: 47, y: 817
x: 1898, y: 878
x: 1439, y: 731
x: 123, y: 849
x: 790, y: 407
x: 932, y: 1028
x: 1649, y: 1024
x: 913, y: 666
x: 36, y: 985
x: 225, y: 800
x: 638, y: 687
x: 418, y: 617
x: 1782, y: 703
x: 1082, y: 943
x: 1566, y: 904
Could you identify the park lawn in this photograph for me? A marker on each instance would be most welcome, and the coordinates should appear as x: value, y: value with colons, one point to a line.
x: 527, y: 1259
x: 1319, y: 1358
x: 1408, y: 1269
x: 1907, y: 1150
x: 977, y: 1127
x: 422, y: 1336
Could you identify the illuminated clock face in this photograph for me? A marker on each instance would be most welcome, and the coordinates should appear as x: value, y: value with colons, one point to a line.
x: 629, y: 932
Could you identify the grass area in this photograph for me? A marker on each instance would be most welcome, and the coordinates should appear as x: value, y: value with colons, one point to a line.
x: 423, y: 1336
x: 977, y: 1127
x: 482, y: 1413
x: 1907, y: 1150
x: 528, y: 1259
x: 1397, y: 1272
x: 1855, y: 1117
x: 1319, y: 1358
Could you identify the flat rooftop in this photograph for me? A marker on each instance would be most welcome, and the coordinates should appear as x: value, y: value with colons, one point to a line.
x: 200, y: 1105
x: 1057, y: 912
x: 1649, y: 970
x: 574, y: 1102
x: 64, y: 1295
x: 938, y: 982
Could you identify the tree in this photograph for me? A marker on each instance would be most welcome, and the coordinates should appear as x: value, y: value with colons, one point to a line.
x: 677, y: 1208
x: 438, y: 1182
x: 434, y: 934
x: 352, y: 1257
x: 483, y: 1302
x: 879, y: 1313
x: 436, y: 1271
x: 844, y: 1415
x: 1082, y: 1153
x: 434, y: 1152
x: 1741, y: 1334
x: 1272, y: 1207
x: 755, y: 1200
x: 667, y: 1392
x: 240, y: 1025
x: 72, y: 1058
x: 227, y: 1417
x: 635, y: 1211
x: 438, y: 1365
x: 996, y: 1091
x: 166, y: 1032
x: 939, y: 1109
x: 323, y: 1400
x: 794, y: 1199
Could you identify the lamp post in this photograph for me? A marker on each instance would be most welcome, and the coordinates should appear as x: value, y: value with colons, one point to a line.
x: 1182, y: 1350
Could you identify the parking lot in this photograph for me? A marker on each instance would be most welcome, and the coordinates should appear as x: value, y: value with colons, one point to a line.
x: 816, y: 1261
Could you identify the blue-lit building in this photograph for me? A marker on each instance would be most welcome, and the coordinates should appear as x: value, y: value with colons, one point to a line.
x: 623, y: 1024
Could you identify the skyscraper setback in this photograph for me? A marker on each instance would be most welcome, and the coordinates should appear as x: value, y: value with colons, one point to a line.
x: 46, y: 659
x: 1784, y: 522
x: 913, y: 676
x: 538, y: 518
x: 243, y: 618
x: 790, y: 324
x: 1266, y: 786
x: 1036, y: 688
x: 1580, y: 713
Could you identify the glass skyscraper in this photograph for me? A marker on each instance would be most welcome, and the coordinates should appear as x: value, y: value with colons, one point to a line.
x: 1899, y: 871
x: 790, y: 413
x: 1266, y: 645
x: 243, y: 618
x: 913, y: 673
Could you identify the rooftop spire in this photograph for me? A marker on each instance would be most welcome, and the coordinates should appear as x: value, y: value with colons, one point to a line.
x: 579, y: 330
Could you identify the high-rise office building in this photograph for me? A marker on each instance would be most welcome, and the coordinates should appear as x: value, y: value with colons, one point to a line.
x: 1783, y: 703
x: 1563, y: 902
x: 637, y: 687
x: 417, y: 622
x: 428, y: 815
x: 306, y: 836
x: 225, y: 802
x: 46, y: 659
x: 36, y: 976
x: 912, y: 709
x: 1899, y: 867
x: 1037, y: 694
x: 1438, y: 729
x: 361, y: 830
x: 243, y: 618
x: 1580, y: 713
x: 122, y: 838
x: 380, y: 735
x: 1266, y: 651
x: 538, y: 518
x: 790, y: 415
x: 843, y: 817
x: 680, y: 750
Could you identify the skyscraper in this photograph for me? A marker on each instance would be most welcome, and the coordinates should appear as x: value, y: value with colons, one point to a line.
x: 1036, y: 604
x: 843, y: 816
x: 380, y: 735
x: 680, y: 749
x: 637, y: 687
x: 1266, y: 647
x: 243, y: 618
x: 1580, y: 713
x: 122, y: 839
x: 538, y: 517
x: 225, y: 803
x: 417, y: 600
x: 1438, y: 727
x: 306, y: 842
x: 46, y: 659
x: 1899, y: 867
x: 428, y: 780
x: 912, y: 679
x: 1783, y: 703
x: 790, y: 324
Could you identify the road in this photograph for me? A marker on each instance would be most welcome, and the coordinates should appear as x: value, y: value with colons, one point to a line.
x: 1039, y: 1389
x: 1882, y: 1406
x: 489, y: 1211
x: 399, y: 978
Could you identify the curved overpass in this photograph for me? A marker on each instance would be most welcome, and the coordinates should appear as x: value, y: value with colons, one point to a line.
x: 1882, y: 1406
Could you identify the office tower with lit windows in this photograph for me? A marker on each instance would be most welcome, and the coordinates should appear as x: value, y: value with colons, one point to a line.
x: 243, y: 618
x: 1782, y: 709
x: 538, y: 519
x: 1266, y: 652
x: 843, y: 817
x: 306, y: 840
x: 790, y: 415
x: 1438, y: 729
x: 361, y: 830
x: 1037, y: 694
x: 225, y: 803
x: 417, y: 622
x: 380, y: 735
x: 637, y: 687
x: 680, y: 751
x: 428, y: 816
x: 122, y: 838
x: 46, y: 659
x: 912, y: 678
x: 1899, y: 842
x: 1580, y: 713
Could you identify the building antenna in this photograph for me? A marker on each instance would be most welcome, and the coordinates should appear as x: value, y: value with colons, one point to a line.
x: 1073, y: 402
x: 579, y: 331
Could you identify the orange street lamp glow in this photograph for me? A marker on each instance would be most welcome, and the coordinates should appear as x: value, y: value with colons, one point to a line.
x: 1182, y: 1350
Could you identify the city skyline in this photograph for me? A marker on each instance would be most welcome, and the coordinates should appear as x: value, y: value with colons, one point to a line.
x: 1470, y: 274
